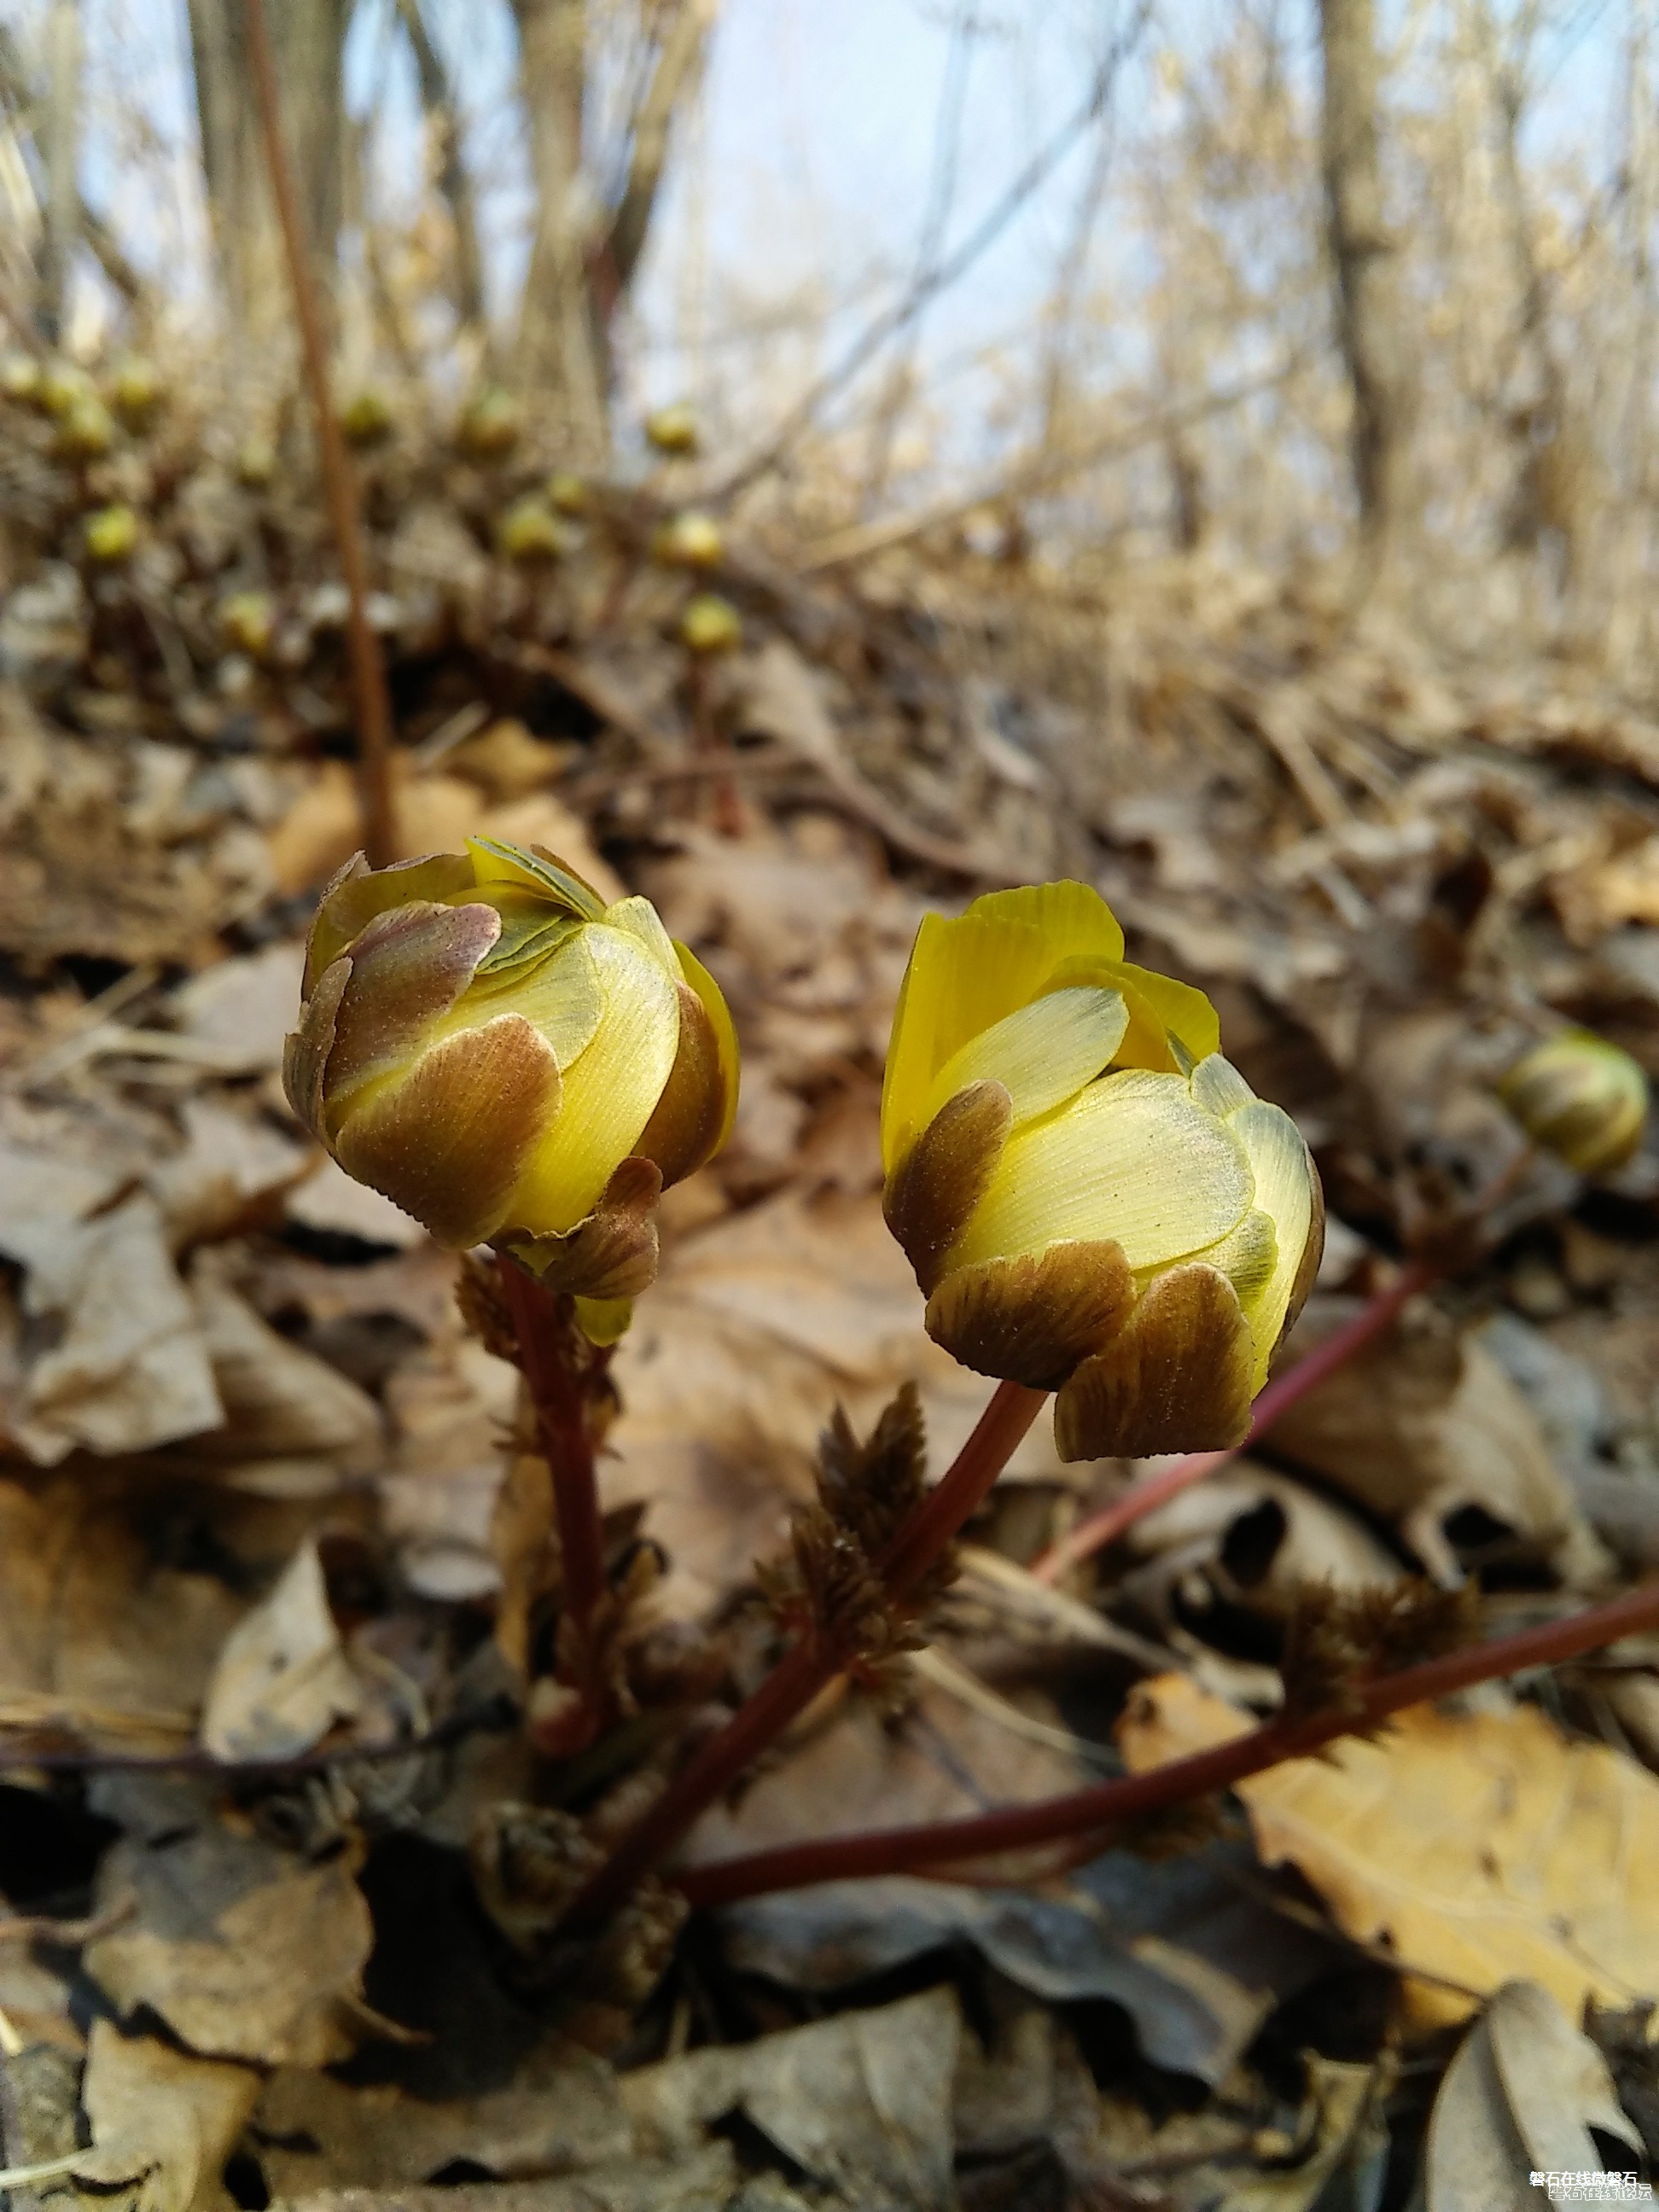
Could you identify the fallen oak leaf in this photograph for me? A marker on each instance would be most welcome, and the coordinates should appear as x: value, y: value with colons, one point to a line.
x: 1481, y: 1848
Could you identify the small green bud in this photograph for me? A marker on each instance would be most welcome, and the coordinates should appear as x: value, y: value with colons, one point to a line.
x: 691, y: 540
x: 529, y: 530
x: 711, y: 624
x: 248, y: 620
x: 256, y: 462
x: 366, y: 419
x: 63, y: 386
x: 1581, y: 1098
x: 86, y: 430
x: 20, y: 379
x: 490, y: 424
x: 672, y: 429
x: 112, y: 533
x: 135, y: 391
x: 567, y: 494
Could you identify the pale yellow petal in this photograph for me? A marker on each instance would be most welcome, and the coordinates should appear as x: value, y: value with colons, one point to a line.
x: 560, y: 996
x: 1284, y: 1188
x: 966, y: 975
x: 1217, y: 1084
x: 637, y: 917
x: 610, y: 1090
x: 1249, y: 1257
x: 1041, y: 1054
x: 1132, y: 1158
x: 1180, y: 1007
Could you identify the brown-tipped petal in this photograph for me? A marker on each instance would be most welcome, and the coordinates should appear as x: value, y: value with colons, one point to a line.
x: 1031, y: 1319
x: 359, y: 892
x: 610, y: 1254
x: 930, y: 1195
x: 685, y: 1125
x: 304, y: 1054
x: 325, y: 940
x: 1176, y: 1378
x: 449, y: 1141
x: 407, y: 967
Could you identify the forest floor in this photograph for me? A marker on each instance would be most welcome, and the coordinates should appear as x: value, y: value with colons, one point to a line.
x: 264, y: 1518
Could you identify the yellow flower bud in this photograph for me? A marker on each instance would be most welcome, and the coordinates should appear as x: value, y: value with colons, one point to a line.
x: 20, y: 379
x: 135, y: 390
x: 672, y: 429
x: 530, y: 531
x: 711, y: 624
x: 490, y: 424
x: 1093, y: 1199
x: 248, y: 620
x: 1581, y: 1098
x: 86, y: 430
x: 511, y: 1061
x: 63, y: 386
x: 691, y: 540
x: 567, y: 494
x: 112, y: 533
x: 366, y: 419
x: 256, y: 462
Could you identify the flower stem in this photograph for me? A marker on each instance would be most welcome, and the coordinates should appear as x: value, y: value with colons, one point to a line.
x: 1108, y: 1805
x: 809, y: 1665
x: 556, y: 1391
x: 1105, y: 1526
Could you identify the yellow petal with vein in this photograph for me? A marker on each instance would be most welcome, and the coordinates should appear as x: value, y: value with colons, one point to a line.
x: 966, y: 975
x: 609, y: 1091
x: 1131, y: 1160
x: 1041, y: 1054
x: 1182, y: 1009
x: 637, y: 917
x: 1284, y: 1188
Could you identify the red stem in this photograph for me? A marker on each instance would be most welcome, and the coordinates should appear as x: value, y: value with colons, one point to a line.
x: 1105, y: 1526
x: 368, y: 682
x: 561, y: 1419
x: 1108, y: 1805
x: 808, y: 1666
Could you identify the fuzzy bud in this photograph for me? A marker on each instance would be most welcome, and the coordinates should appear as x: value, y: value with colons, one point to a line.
x: 710, y: 624
x: 135, y: 391
x: 112, y: 534
x: 672, y: 429
x: 1093, y: 1199
x: 490, y: 425
x: 1581, y: 1098
x: 530, y: 532
x: 567, y: 494
x: 248, y: 621
x: 366, y: 419
x: 86, y: 430
x: 691, y: 540
x: 256, y: 463
x: 511, y: 1061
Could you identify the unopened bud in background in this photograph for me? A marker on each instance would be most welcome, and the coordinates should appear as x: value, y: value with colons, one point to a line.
x: 672, y: 429
x: 530, y: 531
x: 691, y: 540
x: 510, y: 1059
x: 1093, y: 1199
x: 1581, y: 1098
x: 490, y: 424
x: 711, y: 624
x: 248, y: 620
x: 367, y: 418
x: 20, y: 379
x: 256, y: 462
x: 134, y: 389
x: 86, y: 430
x: 567, y: 494
x: 112, y: 534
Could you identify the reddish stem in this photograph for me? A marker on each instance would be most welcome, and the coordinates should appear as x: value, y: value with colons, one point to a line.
x: 808, y: 1666
x: 1105, y: 1526
x: 1108, y: 1805
x: 368, y: 682
x: 561, y: 1404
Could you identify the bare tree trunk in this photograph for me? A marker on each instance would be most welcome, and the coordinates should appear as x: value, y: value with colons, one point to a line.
x: 309, y: 37
x: 559, y: 357
x: 62, y: 150
x: 1371, y: 321
x: 453, y: 178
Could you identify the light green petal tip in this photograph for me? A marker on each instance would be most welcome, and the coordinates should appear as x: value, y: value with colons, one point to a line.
x: 494, y: 862
x: 637, y: 917
x: 1284, y: 1179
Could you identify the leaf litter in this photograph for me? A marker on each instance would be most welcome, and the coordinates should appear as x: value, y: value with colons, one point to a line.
x: 263, y: 1498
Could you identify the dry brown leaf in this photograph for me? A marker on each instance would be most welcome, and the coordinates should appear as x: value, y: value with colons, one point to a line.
x: 283, y: 1680
x: 1481, y: 1847
x: 163, y: 2123
x: 245, y: 1952
x: 282, y: 1404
